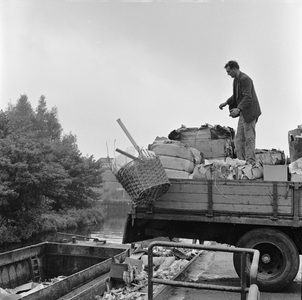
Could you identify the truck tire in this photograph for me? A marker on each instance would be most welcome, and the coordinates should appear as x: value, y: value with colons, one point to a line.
x: 278, y: 262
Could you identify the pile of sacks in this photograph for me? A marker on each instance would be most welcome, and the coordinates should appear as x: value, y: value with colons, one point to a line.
x: 203, y: 153
x: 177, y: 158
x: 182, y: 161
x: 186, y: 149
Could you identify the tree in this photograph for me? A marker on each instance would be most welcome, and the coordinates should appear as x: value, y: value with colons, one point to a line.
x: 29, y: 180
x: 84, y: 174
x: 46, y: 122
x: 40, y: 168
x: 20, y: 117
x: 3, y: 124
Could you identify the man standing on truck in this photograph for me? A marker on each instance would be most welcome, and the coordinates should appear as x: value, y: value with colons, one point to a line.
x: 243, y: 104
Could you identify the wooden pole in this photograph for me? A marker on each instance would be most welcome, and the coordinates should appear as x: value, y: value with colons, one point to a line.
x: 128, y: 135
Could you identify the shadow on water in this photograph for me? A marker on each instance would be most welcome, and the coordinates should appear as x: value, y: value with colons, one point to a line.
x: 111, y: 229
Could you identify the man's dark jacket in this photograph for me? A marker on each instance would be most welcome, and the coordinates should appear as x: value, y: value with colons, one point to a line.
x: 244, y: 97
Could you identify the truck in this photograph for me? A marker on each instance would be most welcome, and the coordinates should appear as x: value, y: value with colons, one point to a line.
x: 257, y: 214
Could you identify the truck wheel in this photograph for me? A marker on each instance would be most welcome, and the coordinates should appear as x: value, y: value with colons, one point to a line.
x: 279, y: 258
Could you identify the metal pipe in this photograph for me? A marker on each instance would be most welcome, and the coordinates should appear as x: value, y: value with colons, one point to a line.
x: 242, y: 289
x: 195, y: 285
x: 150, y: 271
x: 243, y: 276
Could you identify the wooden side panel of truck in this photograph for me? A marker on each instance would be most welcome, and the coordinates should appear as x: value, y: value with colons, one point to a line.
x: 256, y: 214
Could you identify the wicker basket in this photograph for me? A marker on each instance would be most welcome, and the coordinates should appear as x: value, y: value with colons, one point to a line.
x: 144, y: 178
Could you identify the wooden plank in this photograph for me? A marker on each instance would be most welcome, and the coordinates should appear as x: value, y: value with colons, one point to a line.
x: 236, y: 203
x: 227, y: 187
x: 186, y: 190
x: 243, y: 209
x: 257, y: 183
x: 256, y: 190
x: 218, y: 209
x: 251, y: 200
x: 185, y: 186
x: 220, y: 198
x: 259, y: 219
x: 180, y: 205
x: 181, y: 197
x: 229, y: 196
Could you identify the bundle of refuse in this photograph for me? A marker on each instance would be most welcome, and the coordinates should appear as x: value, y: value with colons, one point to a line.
x: 214, y: 142
x: 230, y: 169
x: 208, y: 152
x: 270, y: 157
x: 185, y: 148
x: 235, y: 169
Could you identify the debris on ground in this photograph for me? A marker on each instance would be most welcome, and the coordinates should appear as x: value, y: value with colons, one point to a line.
x: 166, y: 264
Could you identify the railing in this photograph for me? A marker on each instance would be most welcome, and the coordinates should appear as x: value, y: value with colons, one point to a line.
x: 252, y: 291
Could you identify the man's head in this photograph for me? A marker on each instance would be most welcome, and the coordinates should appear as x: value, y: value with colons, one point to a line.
x: 232, y: 68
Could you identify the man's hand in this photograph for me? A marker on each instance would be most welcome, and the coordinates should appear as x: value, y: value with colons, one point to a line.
x: 222, y: 105
x: 235, y: 112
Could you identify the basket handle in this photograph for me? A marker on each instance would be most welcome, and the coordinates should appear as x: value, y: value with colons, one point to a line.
x: 128, y: 135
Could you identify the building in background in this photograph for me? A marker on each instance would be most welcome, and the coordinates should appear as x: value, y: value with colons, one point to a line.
x: 111, y: 188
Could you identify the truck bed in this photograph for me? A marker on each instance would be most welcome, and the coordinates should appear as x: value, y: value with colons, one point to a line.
x: 191, y: 207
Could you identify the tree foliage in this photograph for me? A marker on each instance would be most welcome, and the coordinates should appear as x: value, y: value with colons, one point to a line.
x: 41, y: 169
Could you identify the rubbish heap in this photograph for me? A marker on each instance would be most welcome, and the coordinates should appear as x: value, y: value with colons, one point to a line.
x: 205, y: 152
x: 132, y: 282
x: 208, y: 152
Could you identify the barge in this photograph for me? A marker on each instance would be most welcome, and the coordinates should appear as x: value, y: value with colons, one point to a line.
x: 54, y: 270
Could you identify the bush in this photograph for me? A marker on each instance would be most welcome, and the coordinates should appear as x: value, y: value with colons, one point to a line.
x: 7, y: 236
x: 70, y: 219
x: 51, y: 222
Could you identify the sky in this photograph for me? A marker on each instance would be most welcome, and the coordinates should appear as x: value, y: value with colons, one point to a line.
x: 155, y: 65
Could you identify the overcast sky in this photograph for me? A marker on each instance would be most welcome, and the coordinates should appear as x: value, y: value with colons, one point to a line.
x: 156, y: 66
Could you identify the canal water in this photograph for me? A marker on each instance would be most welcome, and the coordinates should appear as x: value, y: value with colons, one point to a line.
x: 110, y: 230
x: 113, y: 227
